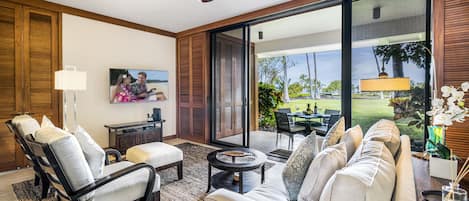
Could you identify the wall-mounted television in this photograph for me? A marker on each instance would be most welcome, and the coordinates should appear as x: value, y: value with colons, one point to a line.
x: 137, y: 85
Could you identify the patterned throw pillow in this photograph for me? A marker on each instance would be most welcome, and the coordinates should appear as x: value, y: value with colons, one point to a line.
x: 334, y: 134
x: 297, y: 166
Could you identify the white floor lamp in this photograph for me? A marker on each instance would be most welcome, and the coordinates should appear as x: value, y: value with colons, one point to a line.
x: 70, y: 80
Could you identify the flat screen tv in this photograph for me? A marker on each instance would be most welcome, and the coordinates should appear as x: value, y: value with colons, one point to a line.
x: 134, y: 85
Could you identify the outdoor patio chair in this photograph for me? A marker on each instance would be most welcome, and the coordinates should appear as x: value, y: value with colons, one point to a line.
x: 284, y: 126
x: 323, y: 129
x: 325, y: 120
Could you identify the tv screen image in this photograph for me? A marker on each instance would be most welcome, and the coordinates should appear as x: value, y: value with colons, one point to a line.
x: 135, y: 85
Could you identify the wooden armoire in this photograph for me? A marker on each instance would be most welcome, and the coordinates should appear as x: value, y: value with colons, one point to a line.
x: 193, y: 87
x: 29, y: 56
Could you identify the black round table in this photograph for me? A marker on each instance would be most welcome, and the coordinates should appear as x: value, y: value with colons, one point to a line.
x: 247, y: 178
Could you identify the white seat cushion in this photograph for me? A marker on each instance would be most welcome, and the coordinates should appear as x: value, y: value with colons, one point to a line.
x: 128, y: 187
x: 273, y: 188
x: 25, y: 124
x: 156, y: 154
x: 405, y: 186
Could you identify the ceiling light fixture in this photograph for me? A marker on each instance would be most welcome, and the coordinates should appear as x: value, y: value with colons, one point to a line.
x: 376, y: 12
x: 206, y: 1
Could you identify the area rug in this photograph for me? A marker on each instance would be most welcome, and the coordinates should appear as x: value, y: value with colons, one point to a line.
x: 191, y: 188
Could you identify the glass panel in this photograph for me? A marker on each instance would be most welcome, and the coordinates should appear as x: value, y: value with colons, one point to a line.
x: 387, y: 40
x: 299, y: 58
x: 229, y: 85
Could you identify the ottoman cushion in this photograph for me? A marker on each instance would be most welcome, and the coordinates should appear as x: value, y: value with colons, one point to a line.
x: 156, y: 154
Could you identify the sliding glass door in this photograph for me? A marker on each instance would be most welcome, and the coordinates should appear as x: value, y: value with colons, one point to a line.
x: 230, y: 86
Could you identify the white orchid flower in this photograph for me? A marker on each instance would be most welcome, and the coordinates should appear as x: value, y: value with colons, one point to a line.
x: 445, y: 91
x: 465, y: 86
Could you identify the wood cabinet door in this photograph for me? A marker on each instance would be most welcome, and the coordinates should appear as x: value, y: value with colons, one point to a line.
x: 10, y: 79
x: 40, y: 62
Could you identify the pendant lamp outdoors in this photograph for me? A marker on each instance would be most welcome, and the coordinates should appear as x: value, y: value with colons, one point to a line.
x: 385, y: 83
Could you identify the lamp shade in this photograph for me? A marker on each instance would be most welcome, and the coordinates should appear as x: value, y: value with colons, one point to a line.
x: 385, y: 84
x: 70, y: 80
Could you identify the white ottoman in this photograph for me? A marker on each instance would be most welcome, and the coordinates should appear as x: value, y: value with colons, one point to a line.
x: 158, y: 154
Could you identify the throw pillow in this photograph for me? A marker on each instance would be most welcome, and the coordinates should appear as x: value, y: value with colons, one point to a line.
x: 385, y: 131
x: 25, y: 124
x: 320, y: 171
x: 369, y: 176
x: 46, y: 122
x: 297, y: 166
x: 334, y: 134
x: 352, y: 139
x: 94, y: 154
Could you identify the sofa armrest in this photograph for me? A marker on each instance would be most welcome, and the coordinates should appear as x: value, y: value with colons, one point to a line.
x: 405, y: 184
x: 225, y: 195
x: 112, y: 152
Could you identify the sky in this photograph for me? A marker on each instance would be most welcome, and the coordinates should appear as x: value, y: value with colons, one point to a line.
x: 363, y: 66
x: 151, y: 74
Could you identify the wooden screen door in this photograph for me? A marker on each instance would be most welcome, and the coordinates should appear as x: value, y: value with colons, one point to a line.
x: 230, y: 86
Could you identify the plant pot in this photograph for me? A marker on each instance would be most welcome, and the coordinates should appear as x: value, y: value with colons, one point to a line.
x: 442, y: 168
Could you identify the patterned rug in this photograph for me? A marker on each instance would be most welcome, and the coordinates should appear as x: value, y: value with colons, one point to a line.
x: 191, y: 188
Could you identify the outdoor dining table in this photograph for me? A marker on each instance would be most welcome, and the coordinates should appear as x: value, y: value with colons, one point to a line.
x: 308, y: 118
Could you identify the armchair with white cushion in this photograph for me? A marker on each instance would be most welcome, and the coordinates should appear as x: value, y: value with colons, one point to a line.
x: 75, y: 166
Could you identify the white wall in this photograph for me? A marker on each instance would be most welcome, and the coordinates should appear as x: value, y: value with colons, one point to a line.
x: 94, y: 47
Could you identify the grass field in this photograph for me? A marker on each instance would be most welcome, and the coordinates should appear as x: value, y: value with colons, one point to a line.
x: 365, y: 112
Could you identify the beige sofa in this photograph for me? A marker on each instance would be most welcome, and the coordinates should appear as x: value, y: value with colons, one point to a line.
x: 274, y: 190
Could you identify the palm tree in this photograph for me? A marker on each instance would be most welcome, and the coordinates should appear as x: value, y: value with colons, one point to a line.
x: 286, y: 98
x: 310, y: 87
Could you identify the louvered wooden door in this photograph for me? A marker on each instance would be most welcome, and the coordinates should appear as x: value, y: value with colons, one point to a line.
x: 193, y: 88
x: 28, y: 59
x: 10, y: 79
x: 40, y: 42
x: 451, y: 19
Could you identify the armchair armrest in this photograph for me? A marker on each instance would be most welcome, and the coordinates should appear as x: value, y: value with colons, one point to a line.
x: 116, y: 175
x: 226, y: 195
x: 112, y: 152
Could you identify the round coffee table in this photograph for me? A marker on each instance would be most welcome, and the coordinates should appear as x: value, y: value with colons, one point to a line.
x: 242, y: 165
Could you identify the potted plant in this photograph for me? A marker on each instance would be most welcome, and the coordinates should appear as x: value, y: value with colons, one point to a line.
x: 446, y: 110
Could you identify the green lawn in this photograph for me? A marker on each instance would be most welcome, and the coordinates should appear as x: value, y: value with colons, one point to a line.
x: 365, y: 112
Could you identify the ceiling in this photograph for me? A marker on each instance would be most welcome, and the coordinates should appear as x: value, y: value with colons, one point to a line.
x: 329, y: 19
x: 174, y: 15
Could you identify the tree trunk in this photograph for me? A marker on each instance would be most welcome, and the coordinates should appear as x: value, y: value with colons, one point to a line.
x: 397, y: 71
x: 286, y: 97
x: 316, y: 87
x: 310, y: 84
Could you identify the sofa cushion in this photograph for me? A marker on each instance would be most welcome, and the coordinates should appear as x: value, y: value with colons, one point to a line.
x: 334, y: 134
x: 352, y: 139
x: 25, y: 124
x: 297, y: 166
x: 385, y: 131
x: 156, y: 154
x: 128, y: 187
x: 368, y: 176
x: 94, y: 154
x: 272, y: 189
x: 321, y: 169
x: 46, y: 122
x: 69, y: 155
